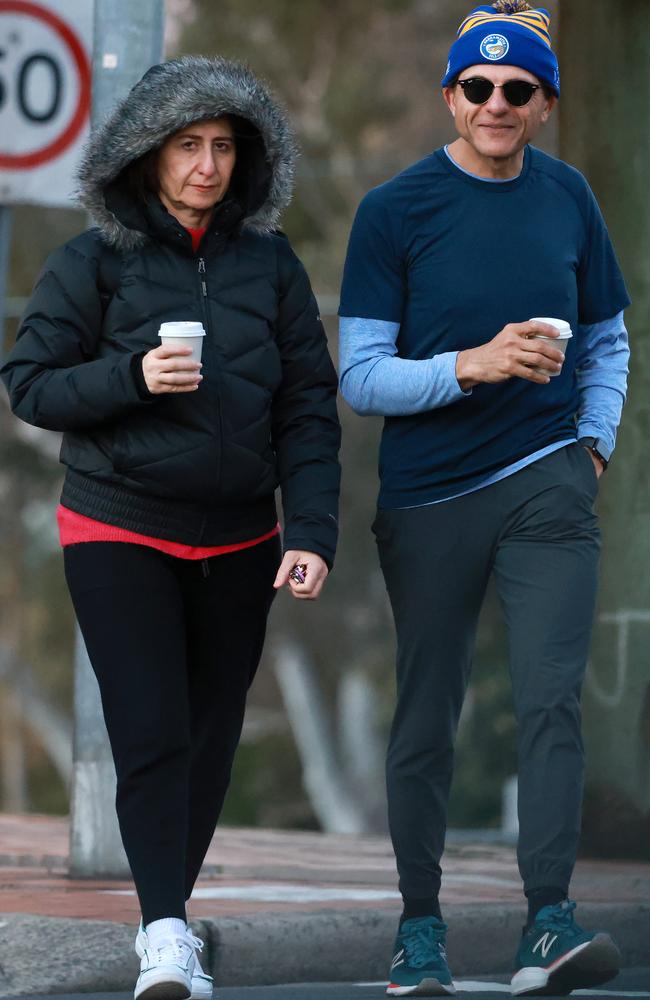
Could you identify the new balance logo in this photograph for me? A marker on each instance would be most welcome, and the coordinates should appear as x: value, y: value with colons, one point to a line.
x: 398, y: 960
x: 545, y: 943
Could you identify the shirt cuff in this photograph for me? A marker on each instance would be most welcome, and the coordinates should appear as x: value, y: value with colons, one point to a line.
x: 448, y: 374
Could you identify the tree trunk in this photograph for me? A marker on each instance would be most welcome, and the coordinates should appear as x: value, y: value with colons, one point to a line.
x: 604, y: 132
x: 13, y: 770
x: 324, y: 781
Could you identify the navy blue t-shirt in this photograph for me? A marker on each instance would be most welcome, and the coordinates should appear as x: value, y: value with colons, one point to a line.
x: 453, y: 259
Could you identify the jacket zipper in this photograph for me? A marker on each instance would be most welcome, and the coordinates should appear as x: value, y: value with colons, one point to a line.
x: 204, y: 309
x: 204, y: 288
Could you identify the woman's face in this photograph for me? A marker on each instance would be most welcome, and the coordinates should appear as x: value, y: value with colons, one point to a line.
x: 194, y: 169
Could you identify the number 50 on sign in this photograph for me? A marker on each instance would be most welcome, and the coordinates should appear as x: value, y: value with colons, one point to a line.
x: 45, y: 79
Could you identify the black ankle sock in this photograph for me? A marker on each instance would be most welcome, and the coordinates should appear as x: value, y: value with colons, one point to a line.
x: 425, y: 907
x: 537, y: 898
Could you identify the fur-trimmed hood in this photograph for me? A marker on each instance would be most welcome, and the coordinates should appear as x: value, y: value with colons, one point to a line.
x: 170, y: 97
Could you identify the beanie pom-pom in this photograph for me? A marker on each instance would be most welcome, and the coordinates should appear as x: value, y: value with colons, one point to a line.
x: 511, y: 6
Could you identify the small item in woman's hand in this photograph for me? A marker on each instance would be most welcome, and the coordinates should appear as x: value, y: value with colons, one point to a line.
x: 299, y: 573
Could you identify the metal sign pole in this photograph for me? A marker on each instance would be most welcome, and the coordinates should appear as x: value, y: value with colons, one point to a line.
x: 5, y: 249
x: 128, y: 38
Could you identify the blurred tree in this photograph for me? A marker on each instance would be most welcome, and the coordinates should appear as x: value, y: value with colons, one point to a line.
x: 604, y: 51
x: 36, y: 633
x: 356, y: 79
x: 34, y: 640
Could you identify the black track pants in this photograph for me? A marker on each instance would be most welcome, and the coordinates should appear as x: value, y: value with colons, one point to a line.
x: 537, y: 532
x: 175, y: 645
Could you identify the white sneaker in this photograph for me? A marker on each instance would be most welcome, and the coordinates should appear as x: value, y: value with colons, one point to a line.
x: 201, y: 983
x: 166, y: 968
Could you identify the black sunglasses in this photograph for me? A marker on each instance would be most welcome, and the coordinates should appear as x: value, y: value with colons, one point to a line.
x: 478, y: 90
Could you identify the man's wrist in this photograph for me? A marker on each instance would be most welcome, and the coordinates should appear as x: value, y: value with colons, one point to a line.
x: 597, y: 449
x: 466, y: 374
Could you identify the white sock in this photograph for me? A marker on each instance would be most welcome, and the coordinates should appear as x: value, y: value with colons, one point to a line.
x: 163, y: 928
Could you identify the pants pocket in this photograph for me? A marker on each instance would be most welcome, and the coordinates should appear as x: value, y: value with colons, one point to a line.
x: 586, y: 467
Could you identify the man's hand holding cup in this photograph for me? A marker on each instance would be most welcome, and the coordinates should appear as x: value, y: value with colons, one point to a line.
x: 533, y: 350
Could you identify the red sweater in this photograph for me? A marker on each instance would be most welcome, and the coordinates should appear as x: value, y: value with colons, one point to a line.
x: 75, y: 528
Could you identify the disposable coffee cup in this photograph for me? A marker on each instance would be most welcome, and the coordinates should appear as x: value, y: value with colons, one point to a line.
x: 562, y: 339
x: 183, y: 334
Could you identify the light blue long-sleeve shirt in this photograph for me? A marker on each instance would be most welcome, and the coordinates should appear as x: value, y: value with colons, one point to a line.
x: 375, y: 381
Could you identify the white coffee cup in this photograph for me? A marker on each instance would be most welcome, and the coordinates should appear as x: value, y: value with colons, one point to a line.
x: 561, y: 341
x: 183, y: 333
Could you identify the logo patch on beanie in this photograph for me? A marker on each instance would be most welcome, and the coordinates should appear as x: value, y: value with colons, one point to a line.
x: 494, y: 47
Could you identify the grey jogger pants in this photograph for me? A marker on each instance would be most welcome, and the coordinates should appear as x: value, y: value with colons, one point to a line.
x: 536, y: 530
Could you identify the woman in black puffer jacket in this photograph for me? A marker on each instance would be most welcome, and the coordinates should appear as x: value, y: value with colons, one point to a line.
x: 167, y: 515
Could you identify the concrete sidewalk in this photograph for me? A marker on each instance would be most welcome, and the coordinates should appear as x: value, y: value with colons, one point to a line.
x: 280, y: 907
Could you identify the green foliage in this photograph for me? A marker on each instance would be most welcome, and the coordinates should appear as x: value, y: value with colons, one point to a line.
x: 47, y: 793
x: 265, y: 788
x: 486, y: 752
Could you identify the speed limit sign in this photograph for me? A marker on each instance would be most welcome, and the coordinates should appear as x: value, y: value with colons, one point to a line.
x: 45, y: 78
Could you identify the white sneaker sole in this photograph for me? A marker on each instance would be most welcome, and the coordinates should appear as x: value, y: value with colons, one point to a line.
x: 201, y: 988
x: 425, y: 988
x: 590, y: 964
x: 162, y: 985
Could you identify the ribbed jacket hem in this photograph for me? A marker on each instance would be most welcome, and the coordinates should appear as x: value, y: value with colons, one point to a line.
x: 189, y: 524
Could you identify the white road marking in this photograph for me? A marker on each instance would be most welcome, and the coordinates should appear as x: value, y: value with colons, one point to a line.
x: 476, y: 986
x: 281, y: 894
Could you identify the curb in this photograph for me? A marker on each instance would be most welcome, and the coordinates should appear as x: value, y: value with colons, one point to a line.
x: 356, y: 945
x: 77, y: 956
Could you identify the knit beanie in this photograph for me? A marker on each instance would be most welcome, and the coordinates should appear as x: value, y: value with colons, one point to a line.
x: 508, y: 31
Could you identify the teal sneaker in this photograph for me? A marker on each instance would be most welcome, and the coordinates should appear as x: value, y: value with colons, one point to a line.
x: 556, y: 956
x: 419, y: 966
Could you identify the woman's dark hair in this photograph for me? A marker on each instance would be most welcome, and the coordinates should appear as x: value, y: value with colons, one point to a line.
x: 141, y: 176
x: 251, y: 177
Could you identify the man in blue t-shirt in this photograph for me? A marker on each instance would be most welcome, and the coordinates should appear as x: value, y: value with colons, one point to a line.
x: 493, y: 445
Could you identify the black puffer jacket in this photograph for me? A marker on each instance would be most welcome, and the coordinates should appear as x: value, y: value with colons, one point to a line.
x: 199, y: 468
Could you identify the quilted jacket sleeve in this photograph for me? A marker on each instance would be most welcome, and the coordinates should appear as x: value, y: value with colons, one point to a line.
x: 306, y: 430
x: 54, y: 374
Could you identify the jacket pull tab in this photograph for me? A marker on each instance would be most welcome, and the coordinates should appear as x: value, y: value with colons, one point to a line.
x: 205, y: 568
x: 202, y: 272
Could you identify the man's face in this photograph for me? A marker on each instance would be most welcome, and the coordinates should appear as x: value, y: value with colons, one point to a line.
x: 496, y: 130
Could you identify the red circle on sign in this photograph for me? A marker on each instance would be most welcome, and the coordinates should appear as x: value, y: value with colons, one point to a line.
x: 76, y: 123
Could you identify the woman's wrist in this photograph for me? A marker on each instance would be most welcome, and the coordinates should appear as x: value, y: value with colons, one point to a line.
x: 138, y: 376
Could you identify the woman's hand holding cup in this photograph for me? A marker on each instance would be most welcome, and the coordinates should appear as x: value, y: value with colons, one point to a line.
x: 171, y: 368
x: 175, y: 366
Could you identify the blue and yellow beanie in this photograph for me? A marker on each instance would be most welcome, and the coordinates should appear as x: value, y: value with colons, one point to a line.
x: 508, y: 31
